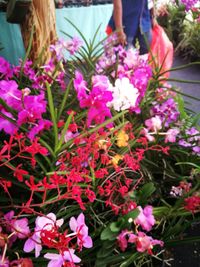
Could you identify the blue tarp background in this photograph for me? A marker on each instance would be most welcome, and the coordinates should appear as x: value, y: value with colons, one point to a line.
x: 86, y: 19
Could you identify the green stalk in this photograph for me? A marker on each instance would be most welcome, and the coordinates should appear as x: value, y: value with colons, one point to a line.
x: 64, y: 131
x: 64, y: 99
x: 27, y: 53
x: 48, y: 147
x: 181, y: 81
x: 53, y: 115
x: 130, y: 260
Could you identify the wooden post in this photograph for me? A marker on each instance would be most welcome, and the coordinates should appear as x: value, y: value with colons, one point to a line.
x: 42, y: 17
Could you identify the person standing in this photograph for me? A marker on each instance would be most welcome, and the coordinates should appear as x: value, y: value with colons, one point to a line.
x: 132, y: 21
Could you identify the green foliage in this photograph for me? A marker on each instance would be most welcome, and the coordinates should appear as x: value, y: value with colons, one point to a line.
x: 189, y: 45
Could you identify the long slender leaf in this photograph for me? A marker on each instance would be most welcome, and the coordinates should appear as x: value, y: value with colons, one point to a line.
x: 53, y: 115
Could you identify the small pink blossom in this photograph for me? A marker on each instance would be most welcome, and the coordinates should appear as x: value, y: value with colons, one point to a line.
x: 171, y: 135
x: 145, y: 218
x: 143, y: 242
x: 57, y: 260
x: 21, y: 227
x: 122, y: 240
x: 154, y: 124
x: 79, y: 227
x: 18, y: 226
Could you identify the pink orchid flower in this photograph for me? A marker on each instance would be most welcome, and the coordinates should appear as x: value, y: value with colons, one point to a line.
x: 144, y: 242
x: 42, y: 223
x: 57, y: 260
x: 79, y: 227
x: 154, y: 124
x: 145, y: 219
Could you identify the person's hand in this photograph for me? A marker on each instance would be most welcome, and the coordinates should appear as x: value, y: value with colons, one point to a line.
x: 121, y: 36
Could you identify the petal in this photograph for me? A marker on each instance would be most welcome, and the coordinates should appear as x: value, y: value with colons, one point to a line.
x: 51, y: 256
x: 81, y: 219
x: 59, y: 222
x: 71, y: 257
x: 88, y: 242
x: 38, y: 248
x: 73, y: 224
x: 29, y: 245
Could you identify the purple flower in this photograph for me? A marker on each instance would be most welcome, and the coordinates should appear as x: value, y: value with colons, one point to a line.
x: 184, y: 143
x: 19, y: 227
x: 167, y: 111
x: 145, y: 219
x: 57, y: 260
x: 189, y: 4
x: 79, y: 227
x: 140, y: 78
x: 73, y: 45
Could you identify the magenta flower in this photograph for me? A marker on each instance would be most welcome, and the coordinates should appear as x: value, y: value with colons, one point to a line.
x: 79, y: 227
x: 145, y: 219
x: 34, y: 105
x: 10, y: 93
x: 5, y: 69
x: 57, y: 260
x: 6, y: 125
x: 80, y: 86
x: 42, y: 223
x: 122, y: 240
x: 96, y: 100
x: 39, y: 127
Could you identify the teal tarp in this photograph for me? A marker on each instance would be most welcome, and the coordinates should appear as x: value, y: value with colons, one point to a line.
x: 10, y: 40
x: 86, y: 19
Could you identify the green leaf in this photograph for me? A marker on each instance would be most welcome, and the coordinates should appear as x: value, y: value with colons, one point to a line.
x: 132, y: 215
x: 130, y: 260
x: 114, y: 227
x: 107, y: 234
x: 145, y: 192
x: 53, y: 114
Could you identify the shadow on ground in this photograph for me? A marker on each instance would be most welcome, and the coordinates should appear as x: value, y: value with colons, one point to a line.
x: 190, y: 73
